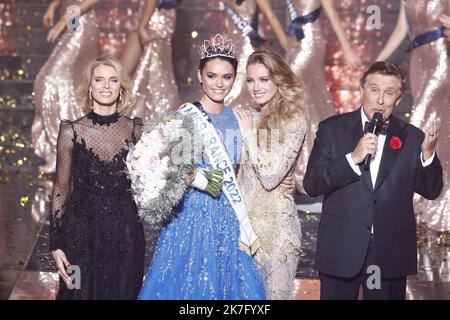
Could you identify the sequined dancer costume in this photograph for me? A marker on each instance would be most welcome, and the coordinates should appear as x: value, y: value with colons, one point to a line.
x: 57, y: 83
x: 153, y: 81
x: 272, y: 211
x: 430, y: 85
x: 197, y: 255
x: 307, y: 60
x: 94, y: 219
x: 238, y: 96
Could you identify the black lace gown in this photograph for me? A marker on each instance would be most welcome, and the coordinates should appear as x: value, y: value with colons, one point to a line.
x: 94, y: 218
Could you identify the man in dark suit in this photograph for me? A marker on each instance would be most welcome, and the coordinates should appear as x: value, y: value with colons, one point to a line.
x: 367, y: 230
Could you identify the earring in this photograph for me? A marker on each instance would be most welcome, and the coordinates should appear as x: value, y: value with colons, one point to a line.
x: 90, y: 98
x: 119, y: 100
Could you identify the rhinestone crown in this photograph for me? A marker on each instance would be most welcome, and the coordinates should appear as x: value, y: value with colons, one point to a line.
x: 217, y: 47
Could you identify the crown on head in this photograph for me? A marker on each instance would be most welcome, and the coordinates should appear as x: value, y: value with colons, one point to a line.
x: 217, y: 47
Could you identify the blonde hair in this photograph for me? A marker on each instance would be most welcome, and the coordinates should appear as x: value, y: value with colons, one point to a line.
x: 288, y: 101
x: 126, y: 100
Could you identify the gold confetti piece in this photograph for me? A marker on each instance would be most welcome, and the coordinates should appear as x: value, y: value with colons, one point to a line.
x: 23, y: 201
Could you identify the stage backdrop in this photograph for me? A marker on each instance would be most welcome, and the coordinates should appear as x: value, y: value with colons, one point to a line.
x: 23, y: 48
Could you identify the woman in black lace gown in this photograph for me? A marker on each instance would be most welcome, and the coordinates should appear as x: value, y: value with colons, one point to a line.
x: 94, y: 222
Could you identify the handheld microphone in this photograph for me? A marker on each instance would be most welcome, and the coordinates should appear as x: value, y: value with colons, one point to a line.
x: 375, y: 125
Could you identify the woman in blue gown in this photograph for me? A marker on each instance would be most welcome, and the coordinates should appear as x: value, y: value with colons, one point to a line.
x: 197, y: 255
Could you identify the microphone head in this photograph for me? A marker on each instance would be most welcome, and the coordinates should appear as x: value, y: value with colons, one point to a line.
x: 377, y: 118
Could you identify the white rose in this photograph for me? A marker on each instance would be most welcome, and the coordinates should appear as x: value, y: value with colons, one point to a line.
x: 139, y: 149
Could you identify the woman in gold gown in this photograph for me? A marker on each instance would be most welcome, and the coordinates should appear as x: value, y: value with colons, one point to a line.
x: 306, y: 56
x: 58, y: 80
x: 147, y: 55
x: 272, y: 210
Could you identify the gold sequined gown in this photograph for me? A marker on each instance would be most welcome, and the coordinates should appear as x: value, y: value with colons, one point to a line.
x: 430, y: 85
x: 272, y: 212
x: 153, y: 81
x: 238, y: 96
x: 57, y: 83
x: 307, y: 59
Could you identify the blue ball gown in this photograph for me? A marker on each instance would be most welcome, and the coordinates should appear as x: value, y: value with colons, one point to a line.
x: 197, y: 255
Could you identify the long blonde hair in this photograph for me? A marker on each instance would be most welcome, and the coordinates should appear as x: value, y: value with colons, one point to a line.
x: 288, y: 101
x: 126, y: 100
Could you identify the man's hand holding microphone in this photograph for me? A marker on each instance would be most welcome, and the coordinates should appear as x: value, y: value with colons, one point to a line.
x: 368, y: 145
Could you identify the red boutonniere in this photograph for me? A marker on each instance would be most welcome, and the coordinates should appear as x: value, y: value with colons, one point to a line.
x: 395, y: 143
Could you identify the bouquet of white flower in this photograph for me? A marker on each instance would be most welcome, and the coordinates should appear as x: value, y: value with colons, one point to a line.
x: 159, y: 163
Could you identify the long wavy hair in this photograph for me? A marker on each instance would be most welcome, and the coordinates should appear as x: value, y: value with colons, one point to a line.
x: 288, y: 101
x: 126, y: 100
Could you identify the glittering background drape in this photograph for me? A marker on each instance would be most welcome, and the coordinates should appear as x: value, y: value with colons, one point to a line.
x: 198, y: 19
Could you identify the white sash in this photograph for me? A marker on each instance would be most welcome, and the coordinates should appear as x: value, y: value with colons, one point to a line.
x: 219, y: 159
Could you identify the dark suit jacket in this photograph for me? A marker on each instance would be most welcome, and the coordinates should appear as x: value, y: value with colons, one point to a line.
x: 351, y: 205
